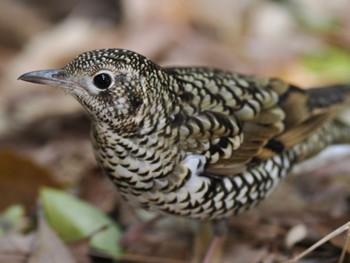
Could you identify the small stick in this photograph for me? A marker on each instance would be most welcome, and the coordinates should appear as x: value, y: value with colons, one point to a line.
x: 346, y: 245
x: 345, y: 227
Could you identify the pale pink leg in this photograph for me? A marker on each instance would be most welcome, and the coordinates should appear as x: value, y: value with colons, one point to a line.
x: 214, y: 252
x: 214, y: 247
x: 135, y: 232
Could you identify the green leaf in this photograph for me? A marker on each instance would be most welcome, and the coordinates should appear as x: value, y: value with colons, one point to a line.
x: 11, y: 218
x: 330, y: 64
x: 74, y: 219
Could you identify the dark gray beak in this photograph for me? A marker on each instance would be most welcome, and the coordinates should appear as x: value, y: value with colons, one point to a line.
x: 52, y: 77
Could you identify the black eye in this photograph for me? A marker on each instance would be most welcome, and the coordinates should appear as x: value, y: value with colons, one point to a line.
x: 102, y: 81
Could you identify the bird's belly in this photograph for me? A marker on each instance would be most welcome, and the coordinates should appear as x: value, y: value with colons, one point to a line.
x: 204, y: 197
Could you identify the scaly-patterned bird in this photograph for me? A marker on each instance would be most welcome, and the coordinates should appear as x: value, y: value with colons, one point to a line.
x: 196, y: 142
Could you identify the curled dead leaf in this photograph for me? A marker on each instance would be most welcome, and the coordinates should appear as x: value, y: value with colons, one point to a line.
x: 20, y: 180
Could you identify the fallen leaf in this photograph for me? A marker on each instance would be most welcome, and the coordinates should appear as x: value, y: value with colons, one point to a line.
x: 80, y: 250
x: 326, y: 227
x: 20, y: 179
x: 11, y: 218
x: 15, y: 248
x: 74, y: 219
x: 47, y: 247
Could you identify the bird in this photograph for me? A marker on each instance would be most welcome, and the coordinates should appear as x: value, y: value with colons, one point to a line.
x: 196, y: 142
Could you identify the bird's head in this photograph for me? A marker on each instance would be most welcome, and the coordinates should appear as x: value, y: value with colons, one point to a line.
x: 119, y: 88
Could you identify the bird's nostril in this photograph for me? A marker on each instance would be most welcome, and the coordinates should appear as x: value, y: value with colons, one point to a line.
x: 59, y: 75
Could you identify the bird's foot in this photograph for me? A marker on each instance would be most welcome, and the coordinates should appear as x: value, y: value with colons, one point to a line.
x: 134, y: 234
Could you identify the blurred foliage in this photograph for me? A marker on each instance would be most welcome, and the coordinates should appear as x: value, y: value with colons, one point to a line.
x: 11, y: 218
x: 74, y: 219
x: 330, y: 64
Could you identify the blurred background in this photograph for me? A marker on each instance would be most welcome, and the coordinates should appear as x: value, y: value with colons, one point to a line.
x: 44, y: 134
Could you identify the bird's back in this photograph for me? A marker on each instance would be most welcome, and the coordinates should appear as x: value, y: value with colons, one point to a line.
x: 237, y: 120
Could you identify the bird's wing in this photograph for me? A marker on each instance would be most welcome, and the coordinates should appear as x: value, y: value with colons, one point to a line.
x: 237, y: 120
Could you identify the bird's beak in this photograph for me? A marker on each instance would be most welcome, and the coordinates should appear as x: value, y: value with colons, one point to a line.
x: 52, y: 77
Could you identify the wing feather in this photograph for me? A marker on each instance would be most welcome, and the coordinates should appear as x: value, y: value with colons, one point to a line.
x: 237, y: 120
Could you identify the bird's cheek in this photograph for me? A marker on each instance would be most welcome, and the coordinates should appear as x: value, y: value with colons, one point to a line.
x: 121, y: 106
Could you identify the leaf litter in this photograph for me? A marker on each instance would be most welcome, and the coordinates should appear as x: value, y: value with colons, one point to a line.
x: 44, y: 135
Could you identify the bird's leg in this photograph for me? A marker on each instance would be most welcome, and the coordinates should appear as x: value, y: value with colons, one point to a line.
x: 214, y: 252
x: 134, y: 233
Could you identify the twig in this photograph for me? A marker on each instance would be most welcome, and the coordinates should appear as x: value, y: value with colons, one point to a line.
x: 345, y: 227
x: 345, y: 248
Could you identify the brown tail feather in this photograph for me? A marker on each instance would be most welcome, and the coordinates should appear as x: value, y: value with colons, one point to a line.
x: 326, y: 97
x: 308, y: 110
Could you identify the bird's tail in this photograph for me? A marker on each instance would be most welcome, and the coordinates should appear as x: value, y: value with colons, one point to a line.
x: 315, y: 118
x: 334, y: 99
x: 329, y: 96
x: 334, y: 103
x: 342, y: 92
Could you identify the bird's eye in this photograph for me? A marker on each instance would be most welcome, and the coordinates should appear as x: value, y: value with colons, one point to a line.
x: 103, y: 80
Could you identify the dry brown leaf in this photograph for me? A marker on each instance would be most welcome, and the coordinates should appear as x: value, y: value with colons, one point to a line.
x: 243, y: 253
x: 15, y: 248
x: 80, y: 250
x: 326, y: 227
x: 20, y: 179
x: 47, y: 247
